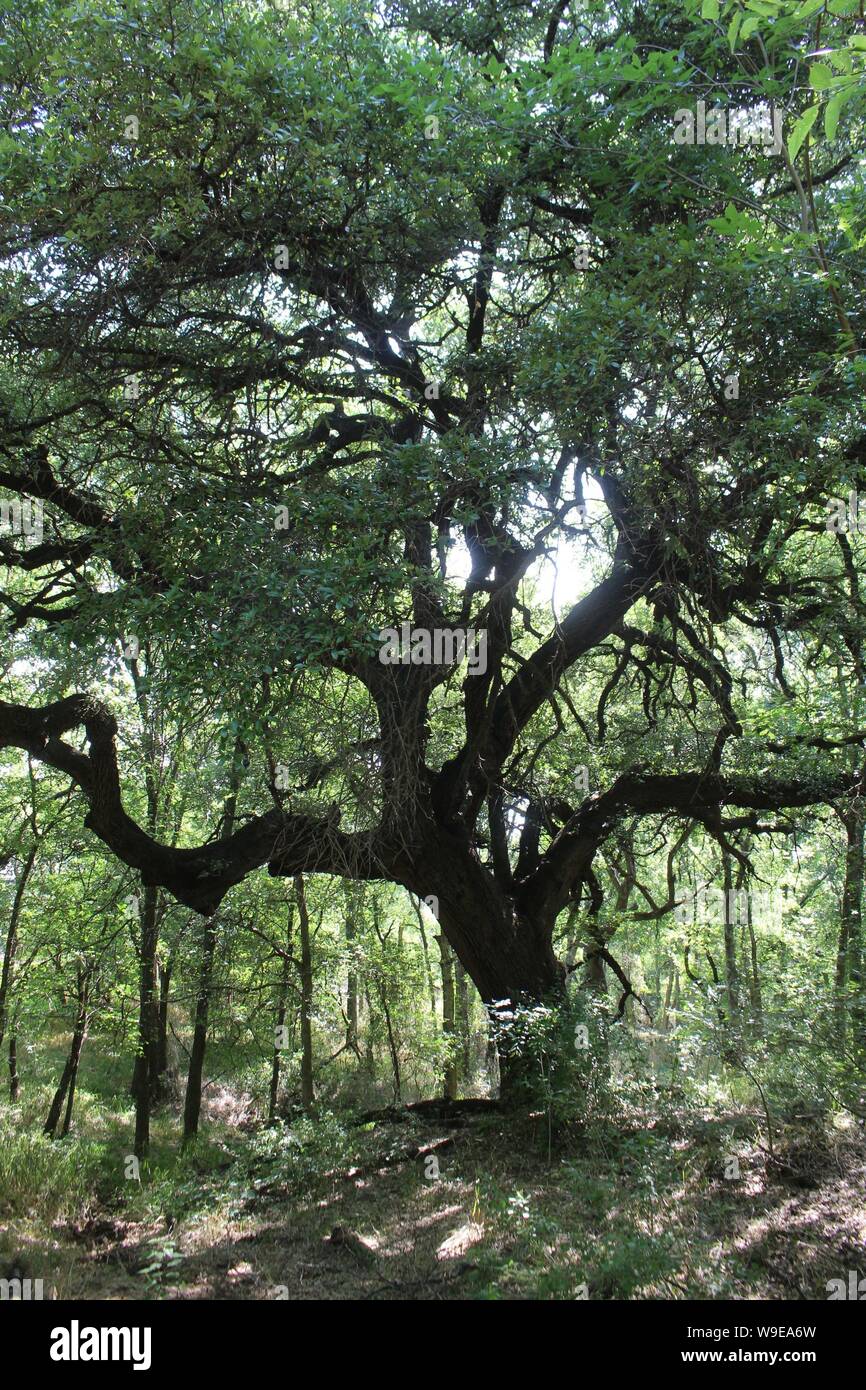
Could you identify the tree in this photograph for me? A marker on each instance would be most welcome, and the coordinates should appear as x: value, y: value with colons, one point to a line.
x: 323, y: 332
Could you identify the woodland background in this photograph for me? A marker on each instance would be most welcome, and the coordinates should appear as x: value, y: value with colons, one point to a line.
x: 327, y: 978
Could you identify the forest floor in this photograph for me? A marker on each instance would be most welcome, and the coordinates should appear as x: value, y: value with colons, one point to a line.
x: 442, y: 1204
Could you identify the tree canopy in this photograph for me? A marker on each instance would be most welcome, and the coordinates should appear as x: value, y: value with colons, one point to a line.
x: 319, y: 320
x: 432, y: 640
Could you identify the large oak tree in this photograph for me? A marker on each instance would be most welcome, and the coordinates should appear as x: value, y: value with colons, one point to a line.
x: 319, y: 319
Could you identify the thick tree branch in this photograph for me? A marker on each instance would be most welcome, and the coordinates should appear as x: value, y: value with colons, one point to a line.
x: 199, y: 877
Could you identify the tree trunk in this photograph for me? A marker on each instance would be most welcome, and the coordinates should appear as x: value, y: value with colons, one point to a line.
x: 351, y: 972
x: 664, y: 1026
x: 70, y: 1071
x: 755, y: 1000
x: 70, y: 1095
x: 503, y: 940
x: 848, y: 956
x: 731, y: 978
x: 572, y: 937
x: 192, y: 1103
x: 464, y: 1027
x: 389, y: 1027
x: 448, y: 1027
x: 428, y: 969
x: 494, y: 1079
x: 14, y: 1079
x: 369, y: 1050
x: 308, y: 1095
x: 594, y: 977
x: 12, y: 939
x: 282, y: 995
x: 392, y: 1045
x: 507, y: 956
x: 146, y: 1069
x: 165, y: 973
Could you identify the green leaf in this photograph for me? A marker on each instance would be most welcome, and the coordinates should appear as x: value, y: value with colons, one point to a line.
x: 710, y: 9
x: 750, y: 24
x: 820, y: 77
x: 801, y: 130
x: 734, y: 29
x: 731, y: 223
x: 834, y: 107
x: 842, y: 61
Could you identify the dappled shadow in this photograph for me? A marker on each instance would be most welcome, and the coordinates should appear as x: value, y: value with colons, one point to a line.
x: 478, y: 1206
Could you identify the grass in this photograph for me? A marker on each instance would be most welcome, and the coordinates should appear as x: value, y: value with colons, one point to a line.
x: 628, y: 1204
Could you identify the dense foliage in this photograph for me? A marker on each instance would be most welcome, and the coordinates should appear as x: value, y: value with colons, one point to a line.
x: 329, y: 327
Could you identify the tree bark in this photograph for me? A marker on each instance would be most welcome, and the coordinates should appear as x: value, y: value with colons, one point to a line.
x: 145, y: 1075
x: 308, y: 1094
x: 14, y: 1079
x: 282, y: 1000
x: 849, y: 951
x: 280, y: 1023
x: 70, y: 1095
x: 66, y: 1085
x: 731, y: 976
x: 594, y: 977
x: 165, y: 973
x: 428, y: 969
x: 755, y: 999
x: 192, y: 1103
x: 369, y: 1050
x: 389, y: 1027
x: 503, y: 939
x: 450, y: 1087
x: 464, y: 1027
x: 351, y: 931
x: 12, y: 938
x: 664, y: 1025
